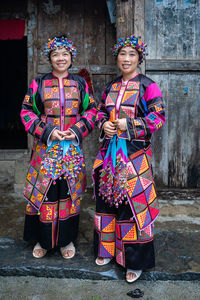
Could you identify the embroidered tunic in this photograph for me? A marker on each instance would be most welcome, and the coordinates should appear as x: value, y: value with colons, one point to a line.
x: 43, y: 110
x: 142, y: 106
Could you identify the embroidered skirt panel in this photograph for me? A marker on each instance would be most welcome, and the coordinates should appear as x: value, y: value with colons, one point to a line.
x: 141, y: 192
x: 117, y: 235
x: 56, y: 224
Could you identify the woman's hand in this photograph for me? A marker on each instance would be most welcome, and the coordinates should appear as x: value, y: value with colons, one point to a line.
x: 69, y: 135
x: 57, y: 135
x: 109, y: 129
x: 121, y: 124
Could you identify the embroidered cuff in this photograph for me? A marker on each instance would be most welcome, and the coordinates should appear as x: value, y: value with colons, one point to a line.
x: 130, y: 129
x: 75, y: 142
x: 47, y: 133
x: 77, y: 133
x: 102, y: 135
x: 49, y: 141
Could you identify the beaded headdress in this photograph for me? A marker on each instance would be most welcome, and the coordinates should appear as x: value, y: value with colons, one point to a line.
x: 132, y: 41
x: 60, y: 42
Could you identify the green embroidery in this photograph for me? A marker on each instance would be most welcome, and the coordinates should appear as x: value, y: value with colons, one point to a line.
x: 26, y: 118
x: 85, y: 103
x: 35, y: 109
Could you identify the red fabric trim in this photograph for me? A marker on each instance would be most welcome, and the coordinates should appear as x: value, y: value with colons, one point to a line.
x: 12, y: 29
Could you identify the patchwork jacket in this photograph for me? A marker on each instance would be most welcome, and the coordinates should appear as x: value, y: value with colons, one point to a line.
x: 42, y: 111
x: 142, y: 106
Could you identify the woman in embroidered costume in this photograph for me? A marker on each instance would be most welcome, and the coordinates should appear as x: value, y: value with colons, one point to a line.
x: 59, y: 111
x: 126, y: 204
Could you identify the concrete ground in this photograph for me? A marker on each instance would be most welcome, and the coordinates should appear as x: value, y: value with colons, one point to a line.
x: 177, y: 247
x: 33, y: 288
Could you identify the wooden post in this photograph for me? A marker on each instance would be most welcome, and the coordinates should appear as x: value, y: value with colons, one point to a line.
x: 32, y: 51
x: 139, y: 25
x: 139, y: 18
x: 130, y: 20
x: 125, y: 18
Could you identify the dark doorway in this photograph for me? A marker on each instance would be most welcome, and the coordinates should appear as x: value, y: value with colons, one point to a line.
x: 13, y: 83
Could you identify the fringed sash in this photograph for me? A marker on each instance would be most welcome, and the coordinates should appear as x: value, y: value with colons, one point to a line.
x: 62, y: 158
x: 113, y: 176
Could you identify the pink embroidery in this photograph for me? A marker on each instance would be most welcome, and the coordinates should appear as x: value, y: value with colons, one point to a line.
x: 157, y: 123
x: 87, y: 88
x: 30, y: 115
x: 34, y: 86
x: 119, y: 98
x: 104, y: 96
x: 152, y: 91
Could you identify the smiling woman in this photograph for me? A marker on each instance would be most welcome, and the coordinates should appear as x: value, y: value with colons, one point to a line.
x: 59, y: 111
x: 61, y: 61
x: 126, y: 204
x: 127, y: 61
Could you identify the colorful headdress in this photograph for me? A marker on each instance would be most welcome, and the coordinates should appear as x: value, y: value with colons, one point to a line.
x: 132, y: 41
x: 60, y: 42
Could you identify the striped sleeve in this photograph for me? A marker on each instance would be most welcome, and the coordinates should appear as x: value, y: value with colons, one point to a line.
x: 30, y: 115
x: 102, y: 113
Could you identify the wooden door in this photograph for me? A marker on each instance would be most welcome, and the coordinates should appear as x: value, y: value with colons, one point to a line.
x: 172, y: 33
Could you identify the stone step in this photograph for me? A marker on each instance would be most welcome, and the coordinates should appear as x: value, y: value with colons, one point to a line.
x: 177, y: 258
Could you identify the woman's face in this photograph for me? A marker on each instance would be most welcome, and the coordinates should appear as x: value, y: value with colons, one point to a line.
x: 127, y: 60
x: 60, y: 60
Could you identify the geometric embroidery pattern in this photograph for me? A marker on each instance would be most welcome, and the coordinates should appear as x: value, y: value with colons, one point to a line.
x: 44, y: 97
x: 108, y: 224
x: 119, y: 257
x: 145, y: 182
x: 128, y: 233
x: 141, y: 191
x: 124, y: 232
x: 108, y: 237
x: 53, y: 212
x: 67, y: 209
x: 131, y: 184
x: 131, y: 170
x: 36, y: 183
x: 108, y: 248
x: 52, y: 103
x: 105, y: 227
x: 128, y: 102
x: 97, y: 220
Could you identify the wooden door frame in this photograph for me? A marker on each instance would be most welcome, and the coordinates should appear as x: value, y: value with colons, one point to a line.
x: 130, y: 20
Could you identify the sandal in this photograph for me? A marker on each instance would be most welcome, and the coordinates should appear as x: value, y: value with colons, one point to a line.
x: 38, y: 247
x: 69, y: 247
x: 137, y: 275
x: 105, y: 261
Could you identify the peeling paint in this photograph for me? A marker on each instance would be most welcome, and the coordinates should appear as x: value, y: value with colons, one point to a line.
x: 178, y: 4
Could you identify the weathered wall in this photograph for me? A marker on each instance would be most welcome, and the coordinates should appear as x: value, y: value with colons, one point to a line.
x: 172, y: 33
